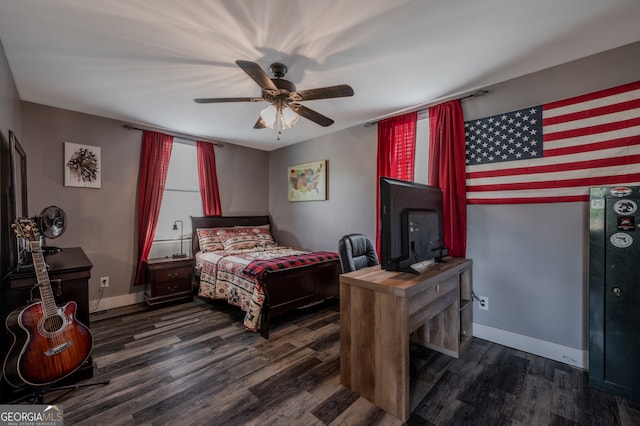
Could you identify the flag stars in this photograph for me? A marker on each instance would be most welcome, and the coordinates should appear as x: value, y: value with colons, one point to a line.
x: 505, y: 137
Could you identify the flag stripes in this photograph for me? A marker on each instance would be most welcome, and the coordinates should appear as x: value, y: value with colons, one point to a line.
x: 589, y: 140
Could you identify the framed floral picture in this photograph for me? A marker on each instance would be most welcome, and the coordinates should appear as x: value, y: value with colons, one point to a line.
x: 82, y: 165
x: 308, y: 181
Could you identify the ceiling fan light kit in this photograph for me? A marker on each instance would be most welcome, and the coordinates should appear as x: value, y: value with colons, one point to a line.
x: 281, y: 116
x: 284, y: 109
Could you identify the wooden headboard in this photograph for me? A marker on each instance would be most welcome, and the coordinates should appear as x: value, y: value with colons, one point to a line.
x: 221, y: 222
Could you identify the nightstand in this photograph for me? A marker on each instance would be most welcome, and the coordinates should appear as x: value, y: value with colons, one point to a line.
x: 168, y: 279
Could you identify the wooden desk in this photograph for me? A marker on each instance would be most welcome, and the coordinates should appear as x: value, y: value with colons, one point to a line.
x: 382, y: 311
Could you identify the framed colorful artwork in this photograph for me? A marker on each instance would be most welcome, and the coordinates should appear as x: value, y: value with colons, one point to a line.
x: 308, y: 181
x: 82, y: 165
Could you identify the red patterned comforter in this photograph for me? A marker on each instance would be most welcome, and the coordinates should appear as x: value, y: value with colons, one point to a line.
x: 236, y: 276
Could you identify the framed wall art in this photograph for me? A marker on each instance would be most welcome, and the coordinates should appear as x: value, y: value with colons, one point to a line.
x: 308, y: 181
x: 82, y: 165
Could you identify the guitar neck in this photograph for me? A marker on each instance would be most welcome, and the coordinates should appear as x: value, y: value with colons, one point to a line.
x: 44, y: 285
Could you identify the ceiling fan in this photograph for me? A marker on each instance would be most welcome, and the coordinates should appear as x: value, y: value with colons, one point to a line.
x: 283, y: 97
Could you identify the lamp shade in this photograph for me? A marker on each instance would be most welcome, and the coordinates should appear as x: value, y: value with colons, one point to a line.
x: 268, y: 116
x: 285, y: 116
x: 289, y: 117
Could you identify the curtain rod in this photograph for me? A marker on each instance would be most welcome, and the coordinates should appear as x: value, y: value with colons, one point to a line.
x: 475, y: 94
x: 174, y: 134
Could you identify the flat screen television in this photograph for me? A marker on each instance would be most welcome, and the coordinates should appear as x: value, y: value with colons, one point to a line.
x: 411, y: 224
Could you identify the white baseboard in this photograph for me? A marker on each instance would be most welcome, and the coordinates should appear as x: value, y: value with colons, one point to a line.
x: 572, y: 356
x: 116, y: 301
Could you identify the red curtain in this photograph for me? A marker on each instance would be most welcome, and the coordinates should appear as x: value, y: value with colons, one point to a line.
x: 208, y: 179
x: 396, y: 155
x: 447, y: 170
x: 154, y: 163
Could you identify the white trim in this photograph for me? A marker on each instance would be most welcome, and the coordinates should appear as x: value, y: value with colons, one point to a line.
x: 116, y: 301
x: 571, y: 356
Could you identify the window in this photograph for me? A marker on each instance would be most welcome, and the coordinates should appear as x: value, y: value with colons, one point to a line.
x: 180, y: 201
x: 421, y: 167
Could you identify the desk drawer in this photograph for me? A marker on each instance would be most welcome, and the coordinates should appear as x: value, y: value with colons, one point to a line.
x: 419, y: 300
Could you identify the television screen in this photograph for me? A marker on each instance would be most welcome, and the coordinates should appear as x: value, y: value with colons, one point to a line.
x: 410, y: 224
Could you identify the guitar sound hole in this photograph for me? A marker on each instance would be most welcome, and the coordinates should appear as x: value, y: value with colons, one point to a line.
x: 53, y: 324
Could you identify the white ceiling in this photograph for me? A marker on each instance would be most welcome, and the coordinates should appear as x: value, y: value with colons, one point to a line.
x: 144, y: 61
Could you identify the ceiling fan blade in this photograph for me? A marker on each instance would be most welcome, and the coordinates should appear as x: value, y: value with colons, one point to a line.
x: 312, y: 115
x: 220, y: 100
x: 339, y: 91
x: 257, y: 74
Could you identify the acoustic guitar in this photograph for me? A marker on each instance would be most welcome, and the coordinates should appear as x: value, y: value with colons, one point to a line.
x: 49, y: 343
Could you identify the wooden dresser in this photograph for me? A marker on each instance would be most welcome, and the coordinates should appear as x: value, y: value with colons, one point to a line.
x: 381, y: 312
x: 73, y: 268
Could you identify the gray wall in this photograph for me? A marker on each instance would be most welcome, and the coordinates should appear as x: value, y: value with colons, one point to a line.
x: 351, y: 168
x: 530, y: 260
x: 102, y: 221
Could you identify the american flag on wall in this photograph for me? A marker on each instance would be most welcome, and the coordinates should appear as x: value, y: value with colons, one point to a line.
x: 557, y: 151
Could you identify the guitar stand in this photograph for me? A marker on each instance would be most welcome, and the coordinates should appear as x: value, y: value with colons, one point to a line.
x: 37, y: 397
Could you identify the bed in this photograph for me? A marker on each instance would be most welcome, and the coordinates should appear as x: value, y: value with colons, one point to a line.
x: 237, y: 260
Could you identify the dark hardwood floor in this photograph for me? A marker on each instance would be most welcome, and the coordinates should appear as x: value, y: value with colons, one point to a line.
x: 193, y: 363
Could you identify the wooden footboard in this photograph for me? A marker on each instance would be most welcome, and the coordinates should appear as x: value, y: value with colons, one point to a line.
x: 285, y: 289
x: 292, y: 288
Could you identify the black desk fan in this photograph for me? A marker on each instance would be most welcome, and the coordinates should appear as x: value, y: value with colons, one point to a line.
x: 52, y: 222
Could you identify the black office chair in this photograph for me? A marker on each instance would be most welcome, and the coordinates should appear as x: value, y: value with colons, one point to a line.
x: 356, y: 252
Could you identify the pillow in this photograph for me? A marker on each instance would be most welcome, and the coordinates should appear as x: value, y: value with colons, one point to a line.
x: 263, y: 233
x: 245, y: 237
x: 208, y: 239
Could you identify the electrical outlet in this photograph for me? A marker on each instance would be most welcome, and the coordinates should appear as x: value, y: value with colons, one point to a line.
x: 484, y: 303
x: 104, y: 282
